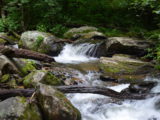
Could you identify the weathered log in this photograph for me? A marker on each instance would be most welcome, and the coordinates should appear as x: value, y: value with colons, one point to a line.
x: 6, y: 93
x: 23, y: 53
x: 104, y: 91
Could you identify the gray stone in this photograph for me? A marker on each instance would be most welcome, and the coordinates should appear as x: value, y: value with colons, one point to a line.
x: 17, y: 108
x: 55, y: 105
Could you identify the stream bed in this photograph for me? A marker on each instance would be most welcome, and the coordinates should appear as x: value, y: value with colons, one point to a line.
x: 99, y: 107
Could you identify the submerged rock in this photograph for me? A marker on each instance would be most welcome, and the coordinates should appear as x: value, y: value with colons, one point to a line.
x: 17, y: 108
x: 41, y: 42
x: 40, y: 76
x: 55, y: 105
x: 124, y: 68
x: 125, y: 45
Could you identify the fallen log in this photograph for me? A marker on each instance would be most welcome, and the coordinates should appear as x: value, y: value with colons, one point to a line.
x: 23, y: 53
x: 104, y: 91
x: 6, y: 93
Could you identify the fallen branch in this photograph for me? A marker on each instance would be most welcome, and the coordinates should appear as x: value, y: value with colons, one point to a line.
x: 6, y: 93
x: 23, y: 53
x: 104, y: 91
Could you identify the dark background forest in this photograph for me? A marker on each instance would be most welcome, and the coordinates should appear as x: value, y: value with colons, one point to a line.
x: 133, y: 18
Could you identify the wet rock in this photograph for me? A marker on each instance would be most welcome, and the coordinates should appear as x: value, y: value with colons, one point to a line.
x: 41, y: 42
x: 67, y: 74
x: 125, y: 45
x: 142, y: 87
x: 17, y: 108
x: 107, y: 79
x: 7, y: 66
x: 76, y: 33
x: 55, y: 105
x: 124, y: 68
x: 40, y: 76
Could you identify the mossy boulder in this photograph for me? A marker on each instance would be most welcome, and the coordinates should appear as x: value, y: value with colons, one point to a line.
x: 17, y: 108
x: 75, y: 33
x: 55, y: 105
x: 41, y: 42
x: 26, y: 65
x: 126, y: 45
x: 40, y: 76
x: 124, y: 68
x: 7, y: 39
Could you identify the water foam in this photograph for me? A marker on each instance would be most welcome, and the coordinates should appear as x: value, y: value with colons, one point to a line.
x: 76, y: 53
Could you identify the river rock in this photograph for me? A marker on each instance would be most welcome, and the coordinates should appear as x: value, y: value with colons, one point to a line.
x: 55, y: 106
x: 41, y: 42
x: 124, y: 68
x: 142, y: 87
x: 126, y: 45
x: 76, y: 33
x: 7, y: 66
x: 67, y: 74
x: 40, y: 76
x: 17, y: 108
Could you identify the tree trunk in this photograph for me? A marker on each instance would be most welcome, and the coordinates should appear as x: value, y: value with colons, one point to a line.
x: 23, y: 53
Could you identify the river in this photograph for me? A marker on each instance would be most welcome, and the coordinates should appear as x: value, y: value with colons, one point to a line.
x: 99, y: 107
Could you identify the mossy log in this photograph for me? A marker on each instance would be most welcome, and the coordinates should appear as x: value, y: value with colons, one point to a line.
x: 6, y: 93
x: 23, y: 53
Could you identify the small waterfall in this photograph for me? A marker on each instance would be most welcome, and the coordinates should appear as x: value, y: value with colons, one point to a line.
x: 77, y: 53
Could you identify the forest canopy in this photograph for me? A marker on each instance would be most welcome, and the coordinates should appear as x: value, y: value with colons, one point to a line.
x: 136, y: 17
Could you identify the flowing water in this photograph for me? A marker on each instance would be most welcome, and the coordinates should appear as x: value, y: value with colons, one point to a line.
x: 99, y: 107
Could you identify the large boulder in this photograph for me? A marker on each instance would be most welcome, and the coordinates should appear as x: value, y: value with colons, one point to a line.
x: 126, y: 45
x: 124, y: 68
x: 55, y: 105
x: 17, y: 108
x: 40, y: 76
x: 41, y: 42
x: 75, y: 33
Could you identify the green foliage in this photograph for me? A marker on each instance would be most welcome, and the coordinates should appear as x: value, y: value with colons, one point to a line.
x: 38, y: 42
x: 58, y: 30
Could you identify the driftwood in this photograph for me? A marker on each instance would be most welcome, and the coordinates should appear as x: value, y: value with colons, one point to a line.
x: 6, y: 93
x: 23, y: 53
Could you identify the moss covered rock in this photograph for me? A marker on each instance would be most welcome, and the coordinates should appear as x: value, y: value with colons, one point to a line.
x: 123, y: 67
x: 75, y: 33
x: 7, y: 39
x: 17, y: 108
x: 40, y: 76
x: 55, y: 105
x: 41, y: 42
